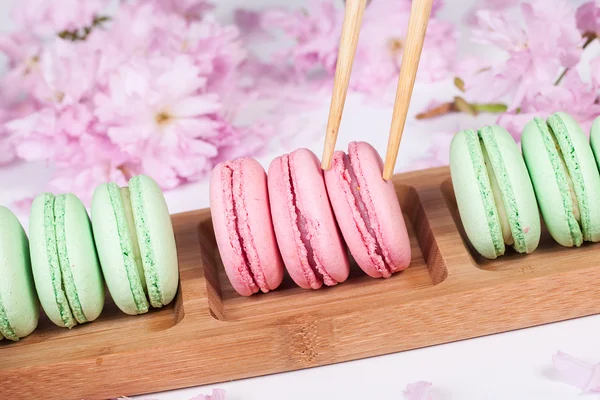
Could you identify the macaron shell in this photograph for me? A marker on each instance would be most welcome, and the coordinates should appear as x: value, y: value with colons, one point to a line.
x: 156, y: 239
x: 40, y: 252
x: 595, y: 140
x: 84, y: 265
x: 551, y: 190
x: 254, y: 192
x: 469, y: 198
x: 310, y: 202
x: 108, y: 246
x: 17, y: 288
x: 525, y: 217
x: 583, y: 155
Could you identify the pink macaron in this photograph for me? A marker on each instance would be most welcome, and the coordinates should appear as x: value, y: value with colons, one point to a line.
x: 367, y: 211
x: 308, y: 237
x: 241, y: 216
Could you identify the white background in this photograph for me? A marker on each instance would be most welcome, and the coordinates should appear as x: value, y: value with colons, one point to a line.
x: 514, y: 365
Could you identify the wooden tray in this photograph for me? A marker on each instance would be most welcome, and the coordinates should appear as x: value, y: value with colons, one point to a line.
x: 209, y: 334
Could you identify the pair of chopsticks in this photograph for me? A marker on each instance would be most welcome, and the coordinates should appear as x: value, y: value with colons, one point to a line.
x: 417, y: 26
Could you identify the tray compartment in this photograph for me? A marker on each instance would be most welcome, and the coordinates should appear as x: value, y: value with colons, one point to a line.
x: 427, y: 269
x: 548, y: 257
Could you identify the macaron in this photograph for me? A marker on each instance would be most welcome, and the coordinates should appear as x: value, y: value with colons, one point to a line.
x: 65, y: 266
x: 19, y: 307
x: 595, y: 139
x: 243, y: 227
x: 493, y: 191
x: 307, y: 234
x: 136, y: 244
x: 367, y: 211
x: 565, y: 178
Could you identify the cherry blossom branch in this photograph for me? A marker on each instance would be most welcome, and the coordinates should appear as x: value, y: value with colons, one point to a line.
x: 590, y: 37
x: 82, y: 34
x: 459, y: 104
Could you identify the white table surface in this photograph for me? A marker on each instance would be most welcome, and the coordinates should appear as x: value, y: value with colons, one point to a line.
x: 514, y: 365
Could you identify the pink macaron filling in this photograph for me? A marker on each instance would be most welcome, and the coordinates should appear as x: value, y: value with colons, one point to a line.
x: 364, y: 216
x: 305, y: 232
x: 238, y: 227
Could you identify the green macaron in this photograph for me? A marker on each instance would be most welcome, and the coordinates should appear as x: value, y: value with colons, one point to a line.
x: 494, y: 194
x: 19, y: 307
x: 595, y: 140
x: 65, y: 266
x: 136, y: 244
x: 565, y: 178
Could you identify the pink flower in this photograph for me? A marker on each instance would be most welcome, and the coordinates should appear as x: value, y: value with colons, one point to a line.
x: 577, y: 373
x: 23, y: 51
x: 536, y: 53
x: 418, y: 391
x: 217, y: 51
x: 217, y: 394
x: 50, y: 17
x: 316, y: 31
x: 8, y: 112
x: 189, y: 9
x: 492, y: 5
x: 588, y: 17
x: 572, y: 96
x: 155, y: 111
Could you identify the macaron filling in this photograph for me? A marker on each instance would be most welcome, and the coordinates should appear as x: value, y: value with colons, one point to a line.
x: 566, y: 151
x: 304, y: 231
x: 60, y: 203
x: 145, y: 245
x: 485, y: 189
x: 238, y: 227
x: 357, y: 194
x: 129, y: 245
x: 563, y: 179
x: 54, y: 263
x: 6, y: 330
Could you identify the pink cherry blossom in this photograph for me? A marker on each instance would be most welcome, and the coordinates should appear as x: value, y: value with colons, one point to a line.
x: 316, y: 31
x: 153, y: 111
x: 189, y: 9
x: 536, y: 54
x: 217, y: 394
x: 588, y: 17
x: 577, y: 373
x: 573, y: 96
x: 418, y: 391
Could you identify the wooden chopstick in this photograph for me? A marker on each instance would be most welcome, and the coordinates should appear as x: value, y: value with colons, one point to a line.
x: 417, y: 27
x: 353, y: 16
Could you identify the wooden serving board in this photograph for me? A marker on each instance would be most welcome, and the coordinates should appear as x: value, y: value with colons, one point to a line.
x: 209, y: 334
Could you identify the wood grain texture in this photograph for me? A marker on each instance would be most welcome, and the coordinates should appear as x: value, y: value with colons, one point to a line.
x: 353, y: 17
x: 209, y: 334
x: 415, y: 36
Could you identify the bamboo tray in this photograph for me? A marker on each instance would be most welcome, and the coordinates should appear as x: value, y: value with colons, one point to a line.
x: 210, y: 334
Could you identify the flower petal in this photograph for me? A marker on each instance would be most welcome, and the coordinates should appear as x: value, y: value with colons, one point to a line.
x: 418, y: 391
